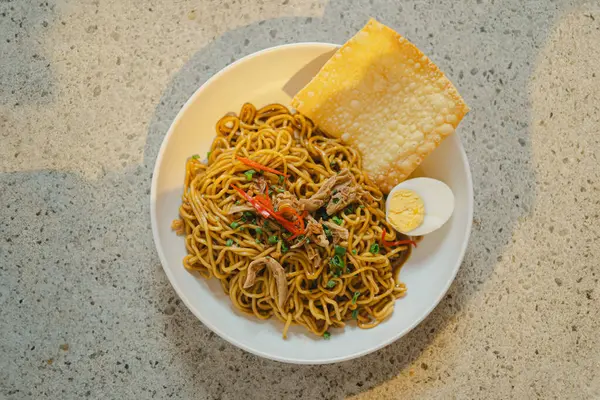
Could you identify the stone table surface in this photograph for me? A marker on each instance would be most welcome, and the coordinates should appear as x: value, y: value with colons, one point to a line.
x: 87, y: 92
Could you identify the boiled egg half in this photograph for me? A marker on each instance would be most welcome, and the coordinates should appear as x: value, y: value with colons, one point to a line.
x: 419, y: 206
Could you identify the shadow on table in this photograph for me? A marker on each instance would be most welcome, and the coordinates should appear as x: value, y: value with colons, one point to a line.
x: 491, y: 79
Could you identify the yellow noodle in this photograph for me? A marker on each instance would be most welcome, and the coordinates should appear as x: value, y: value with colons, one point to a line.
x: 317, y: 299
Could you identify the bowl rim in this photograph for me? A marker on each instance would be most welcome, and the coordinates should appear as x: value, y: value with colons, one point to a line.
x: 225, y: 335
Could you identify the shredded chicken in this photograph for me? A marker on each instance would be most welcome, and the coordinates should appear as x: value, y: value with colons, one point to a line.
x: 315, y: 231
x: 319, y: 199
x: 259, y: 185
x: 344, y: 195
x: 347, y: 193
x: 300, y: 243
x: 339, y: 233
x: 241, y: 208
x: 287, y: 200
x: 278, y: 273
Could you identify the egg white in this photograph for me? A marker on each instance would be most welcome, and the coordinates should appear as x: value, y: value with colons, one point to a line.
x: 438, y: 200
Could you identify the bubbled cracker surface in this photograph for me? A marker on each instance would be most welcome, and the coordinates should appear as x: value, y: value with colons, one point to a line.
x: 381, y: 94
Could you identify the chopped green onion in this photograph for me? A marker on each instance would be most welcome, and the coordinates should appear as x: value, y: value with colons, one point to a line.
x: 195, y: 156
x: 258, y: 241
x: 335, y: 200
x: 337, y: 220
x: 281, y: 179
x: 229, y: 242
x: 235, y: 224
x: 326, y: 335
x: 284, y: 247
x: 340, y: 250
x: 331, y: 284
x: 374, y: 248
x: 355, y: 297
x: 208, y: 154
x: 307, y: 240
x: 237, y: 202
x: 355, y: 314
x: 258, y: 231
x: 361, y: 206
x: 337, y: 261
x: 354, y: 251
x: 273, y: 239
x: 276, y: 189
x: 322, y: 214
x: 248, y: 216
x: 327, y: 232
x: 249, y: 174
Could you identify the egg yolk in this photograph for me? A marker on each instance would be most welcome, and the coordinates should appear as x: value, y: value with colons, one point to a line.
x: 406, y: 210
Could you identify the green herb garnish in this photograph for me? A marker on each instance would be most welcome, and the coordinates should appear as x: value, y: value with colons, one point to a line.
x: 340, y: 250
x: 281, y: 179
x: 234, y: 224
x: 337, y: 220
x: 229, y: 242
x: 208, y: 154
x: 276, y: 189
x: 284, y: 247
x: 195, y: 156
x: 374, y: 248
x: 249, y: 174
x: 326, y: 335
x: 248, y: 216
x: 337, y: 261
x: 355, y: 297
x: 355, y: 314
x: 258, y: 231
x: 258, y: 241
x: 273, y: 239
x: 335, y: 200
x: 349, y: 210
x: 354, y: 251
x: 331, y: 284
x: 327, y: 232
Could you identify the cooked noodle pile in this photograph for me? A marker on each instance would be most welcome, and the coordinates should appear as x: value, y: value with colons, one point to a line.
x: 254, y: 218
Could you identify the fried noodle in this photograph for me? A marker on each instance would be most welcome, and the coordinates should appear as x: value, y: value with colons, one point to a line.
x: 222, y: 244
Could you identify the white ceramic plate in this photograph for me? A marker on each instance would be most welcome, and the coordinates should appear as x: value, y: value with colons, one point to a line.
x: 275, y: 75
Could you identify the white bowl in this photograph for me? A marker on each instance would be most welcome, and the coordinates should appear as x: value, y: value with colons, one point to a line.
x: 275, y: 75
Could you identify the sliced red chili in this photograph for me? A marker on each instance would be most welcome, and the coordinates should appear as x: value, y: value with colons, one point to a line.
x: 263, y: 205
x: 396, y: 243
x: 256, y: 165
x: 259, y: 207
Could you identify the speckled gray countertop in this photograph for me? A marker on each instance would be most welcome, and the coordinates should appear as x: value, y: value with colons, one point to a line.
x: 87, y: 92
